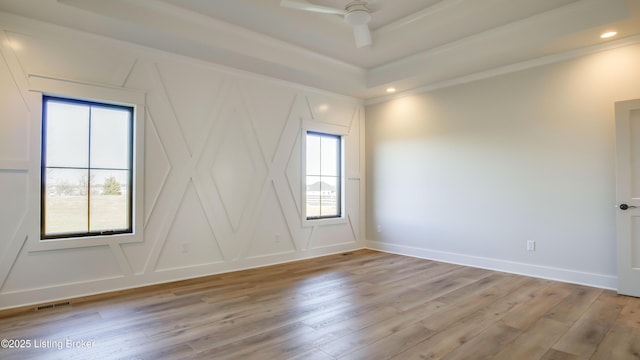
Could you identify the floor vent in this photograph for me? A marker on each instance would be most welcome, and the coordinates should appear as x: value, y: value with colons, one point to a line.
x: 52, y: 306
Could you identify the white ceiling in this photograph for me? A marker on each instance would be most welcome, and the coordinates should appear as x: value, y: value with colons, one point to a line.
x: 416, y: 43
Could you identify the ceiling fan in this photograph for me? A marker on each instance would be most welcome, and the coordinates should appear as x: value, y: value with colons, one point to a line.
x: 356, y: 13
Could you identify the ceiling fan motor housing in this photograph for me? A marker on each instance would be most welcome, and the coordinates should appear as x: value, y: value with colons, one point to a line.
x: 357, y: 13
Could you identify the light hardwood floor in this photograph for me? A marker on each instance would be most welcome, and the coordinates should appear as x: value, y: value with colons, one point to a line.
x: 360, y: 305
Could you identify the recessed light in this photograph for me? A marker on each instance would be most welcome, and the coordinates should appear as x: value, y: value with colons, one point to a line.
x: 608, y: 34
x: 391, y: 90
x: 14, y: 45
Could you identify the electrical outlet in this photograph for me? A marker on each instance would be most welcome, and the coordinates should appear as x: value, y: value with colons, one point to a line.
x: 379, y: 228
x: 277, y: 237
x: 185, y: 248
x: 531, y: 245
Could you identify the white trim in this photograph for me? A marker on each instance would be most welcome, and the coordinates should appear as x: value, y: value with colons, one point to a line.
x: 85, y: 91
x: 43, y: 85
x: 328, y: 129
x: 41, y: 295
x: 29, y: 297
x: 502, y: 70
x: 14, y: 165
x: 322, y: 222
x: 416, y: 16
x: 177, y: 12
x: 544, y: 272
x: 323, y: 127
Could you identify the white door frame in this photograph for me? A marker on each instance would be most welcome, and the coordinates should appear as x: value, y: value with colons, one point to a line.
x: 628, y: 195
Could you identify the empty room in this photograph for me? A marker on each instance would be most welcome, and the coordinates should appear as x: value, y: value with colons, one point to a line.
x: 319, y: 179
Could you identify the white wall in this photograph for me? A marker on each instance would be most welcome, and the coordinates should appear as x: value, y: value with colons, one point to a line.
x: 469, y: 173
x: 221, y: 164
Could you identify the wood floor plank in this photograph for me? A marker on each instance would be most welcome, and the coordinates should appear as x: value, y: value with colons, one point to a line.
x: 478, y: 296
x: 357, y: 305
x: 553, y: 354
x: 393, y: 344
x: 630, y: 314
x: 621, y: 342
x: 458, y: 333
x: 535, y: 341
x: 486, y: 344
x: 574, y: 305
x: 430, y: 290
x: 537, y: 303
x: 368, y: 335
x: 314, y: 354
x: 283, y: 342
x: 453, y: 336
x: 587, y: 332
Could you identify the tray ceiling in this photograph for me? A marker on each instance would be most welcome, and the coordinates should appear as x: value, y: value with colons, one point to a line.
x: 416, y: 43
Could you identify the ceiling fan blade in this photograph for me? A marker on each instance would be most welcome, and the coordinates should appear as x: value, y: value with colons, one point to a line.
x: 362, y: 35
x: 302, y: 5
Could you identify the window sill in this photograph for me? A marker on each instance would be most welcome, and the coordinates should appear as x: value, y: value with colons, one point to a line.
x: 322, y: 222
x: 89, y: 241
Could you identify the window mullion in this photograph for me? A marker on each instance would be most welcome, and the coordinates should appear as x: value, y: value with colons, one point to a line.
x: 89, y: 175
x: 321, y: 178
x: 88, y: 123
x: 324, y: 199
x: 339, y: 183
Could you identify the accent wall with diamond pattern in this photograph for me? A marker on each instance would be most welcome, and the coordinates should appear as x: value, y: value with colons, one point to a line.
x: 222, y: 175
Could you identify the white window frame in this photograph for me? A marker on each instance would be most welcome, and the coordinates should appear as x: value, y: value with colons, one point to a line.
x: 100, y: 94
x: 329, y: 129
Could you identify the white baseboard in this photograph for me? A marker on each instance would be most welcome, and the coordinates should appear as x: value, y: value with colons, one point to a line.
x: 544, y: 272
x: 67, y: 291
x: 57, y: 293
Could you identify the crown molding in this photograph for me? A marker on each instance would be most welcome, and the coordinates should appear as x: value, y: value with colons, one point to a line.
x: 524, y: 65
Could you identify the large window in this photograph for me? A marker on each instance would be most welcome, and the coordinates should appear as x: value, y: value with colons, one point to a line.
x: 87, y: 168
x: 323, y: 176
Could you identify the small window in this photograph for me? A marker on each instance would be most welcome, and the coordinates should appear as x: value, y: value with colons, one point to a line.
x: 87, y: 168
x: 323, y: 192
